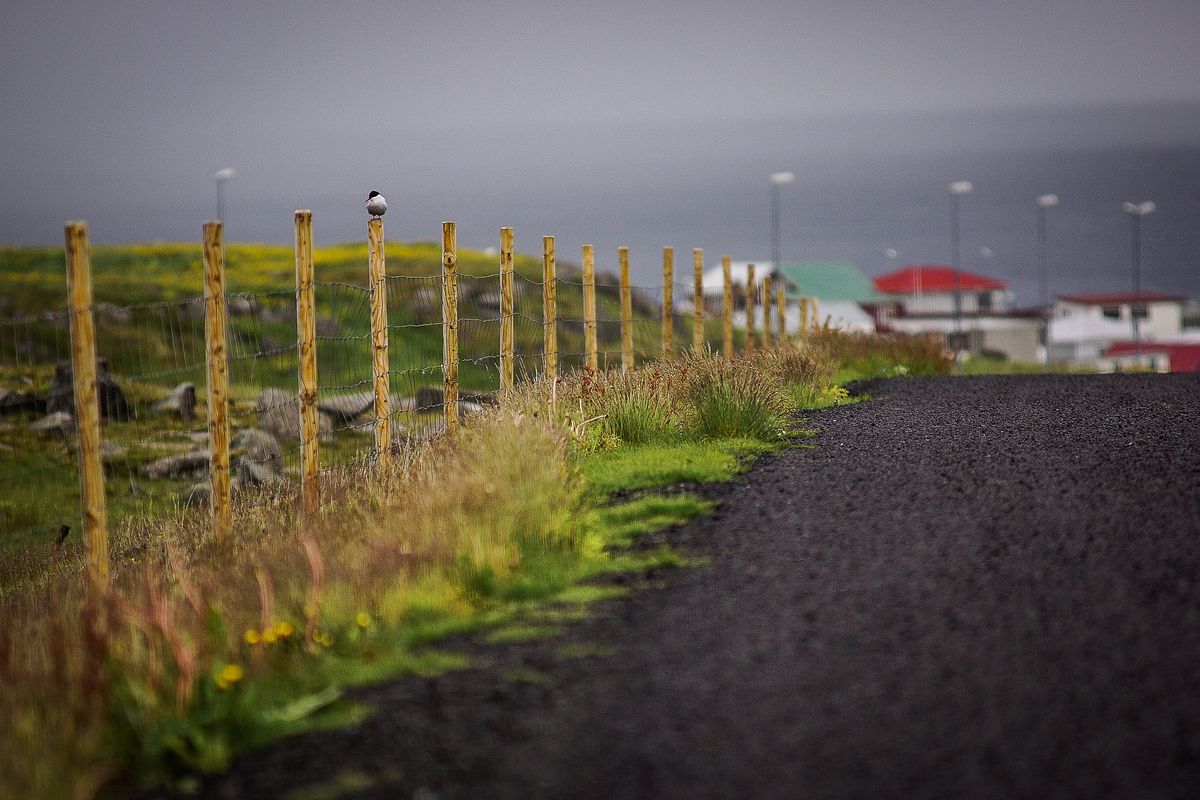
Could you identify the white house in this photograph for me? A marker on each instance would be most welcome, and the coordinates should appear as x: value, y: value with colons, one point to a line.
x: 1083, y: 326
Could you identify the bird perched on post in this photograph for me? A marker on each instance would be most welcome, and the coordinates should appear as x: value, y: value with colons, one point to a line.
x: 376, y: 205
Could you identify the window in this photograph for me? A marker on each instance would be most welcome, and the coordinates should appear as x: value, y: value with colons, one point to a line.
x: 1111, y: 312
x: 1139, y: 312
x: 983, y: 301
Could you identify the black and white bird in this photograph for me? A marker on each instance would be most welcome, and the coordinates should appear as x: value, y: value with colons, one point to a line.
x: 376, y: 205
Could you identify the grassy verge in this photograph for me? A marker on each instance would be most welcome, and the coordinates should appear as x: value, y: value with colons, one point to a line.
x: 202, y: 650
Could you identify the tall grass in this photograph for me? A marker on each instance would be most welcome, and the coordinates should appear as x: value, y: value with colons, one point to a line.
x: 697, y: 396
x: 863, y: 355
x: 199, y: 650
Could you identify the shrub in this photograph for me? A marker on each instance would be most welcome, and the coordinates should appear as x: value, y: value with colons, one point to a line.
x: 863, y: 355
x: 730, y: 397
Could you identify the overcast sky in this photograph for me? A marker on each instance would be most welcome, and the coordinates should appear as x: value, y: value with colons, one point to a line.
x: 120, y: 112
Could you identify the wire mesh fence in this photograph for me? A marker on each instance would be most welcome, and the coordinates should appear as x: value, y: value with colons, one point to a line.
x: 152, y: 359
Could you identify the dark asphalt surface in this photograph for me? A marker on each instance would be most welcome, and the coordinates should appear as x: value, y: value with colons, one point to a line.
x: 973, y: 587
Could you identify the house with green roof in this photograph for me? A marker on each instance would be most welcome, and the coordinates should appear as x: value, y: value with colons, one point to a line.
x: 840, y: 288
x: 830, y: 282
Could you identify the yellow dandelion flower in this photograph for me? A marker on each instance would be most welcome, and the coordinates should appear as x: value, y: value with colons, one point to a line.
x: 284, y: 629
x: 228, y: 676
x: 363, y: 619
x: 251, y: 637
x: 325, y: 639
x: 268, y: 636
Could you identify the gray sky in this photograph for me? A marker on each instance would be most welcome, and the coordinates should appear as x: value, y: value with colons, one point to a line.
x: 543, y: 113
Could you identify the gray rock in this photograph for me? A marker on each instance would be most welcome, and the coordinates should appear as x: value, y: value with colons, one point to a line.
x: 345, y: 408
x: 239, y: 305
x: 181, y: 400
x: 467, y: 407
x: 113, y: 404
x: 59, y: 422
x: 14, y: 402
x: 278, y: 412
x: 257, y: 446
x: 111, y: 451
x: 252, y: 473
x: 113, y: 313
x: 193, y: 462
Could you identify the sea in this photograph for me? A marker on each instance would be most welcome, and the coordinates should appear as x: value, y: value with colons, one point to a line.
x: 863, y: 198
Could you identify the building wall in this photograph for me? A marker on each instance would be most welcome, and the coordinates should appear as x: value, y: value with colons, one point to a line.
x: 1019, y: 344
x: 1018, y: 338
x: 1162, y: 320
x: 943, y: 302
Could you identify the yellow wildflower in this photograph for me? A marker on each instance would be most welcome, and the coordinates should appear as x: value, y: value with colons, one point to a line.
x: 284, y: 629
x: 228, y: 676
x: 268, y: 636
x: 251, y: 637
x: 363, y: 619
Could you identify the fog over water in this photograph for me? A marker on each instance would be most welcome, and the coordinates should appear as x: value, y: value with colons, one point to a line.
x: 624, y: 124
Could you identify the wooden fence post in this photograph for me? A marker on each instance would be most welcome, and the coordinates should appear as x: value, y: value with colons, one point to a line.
x: 549, y: 312
x: 217, y: 367
x: 781, y: 308
x: 377, y: 273
x: 698, y: 299
x: 766, y: 298
x: 816, y: 316
x: 450, y: 326
x: 626, y: 311
x: 589, y: 308
x: 87, y: 402
x: 804, y: 317
x: 506, y: 312
x: 668, y: 303
x: 727, y: 307
x: 751, y: 296
x: 306, y: 346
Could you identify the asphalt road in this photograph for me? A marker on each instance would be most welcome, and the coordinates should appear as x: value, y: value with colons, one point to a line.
x: 971, y: 587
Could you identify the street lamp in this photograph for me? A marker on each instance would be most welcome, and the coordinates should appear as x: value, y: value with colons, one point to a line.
x: 957, y: 189
x: 1043, y: 202
x: 1136, y: 211
x: 777, y: 179
x: 222, y: 176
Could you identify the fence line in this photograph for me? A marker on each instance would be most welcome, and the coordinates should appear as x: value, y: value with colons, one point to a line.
x: 87, y: 403
x: 306, y: 347
x: 381, y: 365
x: 346, y: 332
x: 450, y: 326
x: 217, y: 374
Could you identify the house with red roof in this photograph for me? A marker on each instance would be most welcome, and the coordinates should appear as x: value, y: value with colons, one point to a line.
x: 1182, y: 356
x: 920, y: 299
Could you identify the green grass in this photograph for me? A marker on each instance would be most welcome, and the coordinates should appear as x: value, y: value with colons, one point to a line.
x: 522, y: 633
x: 635, y: 467
x: 504, y: 532
x: 153, y: 339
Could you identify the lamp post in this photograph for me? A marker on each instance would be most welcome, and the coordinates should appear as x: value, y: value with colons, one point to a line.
x: 777, y: 179
x: 222, y: 176
x: 1136, y: 211
x: 1044, y: 202
x: 957, y: 189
